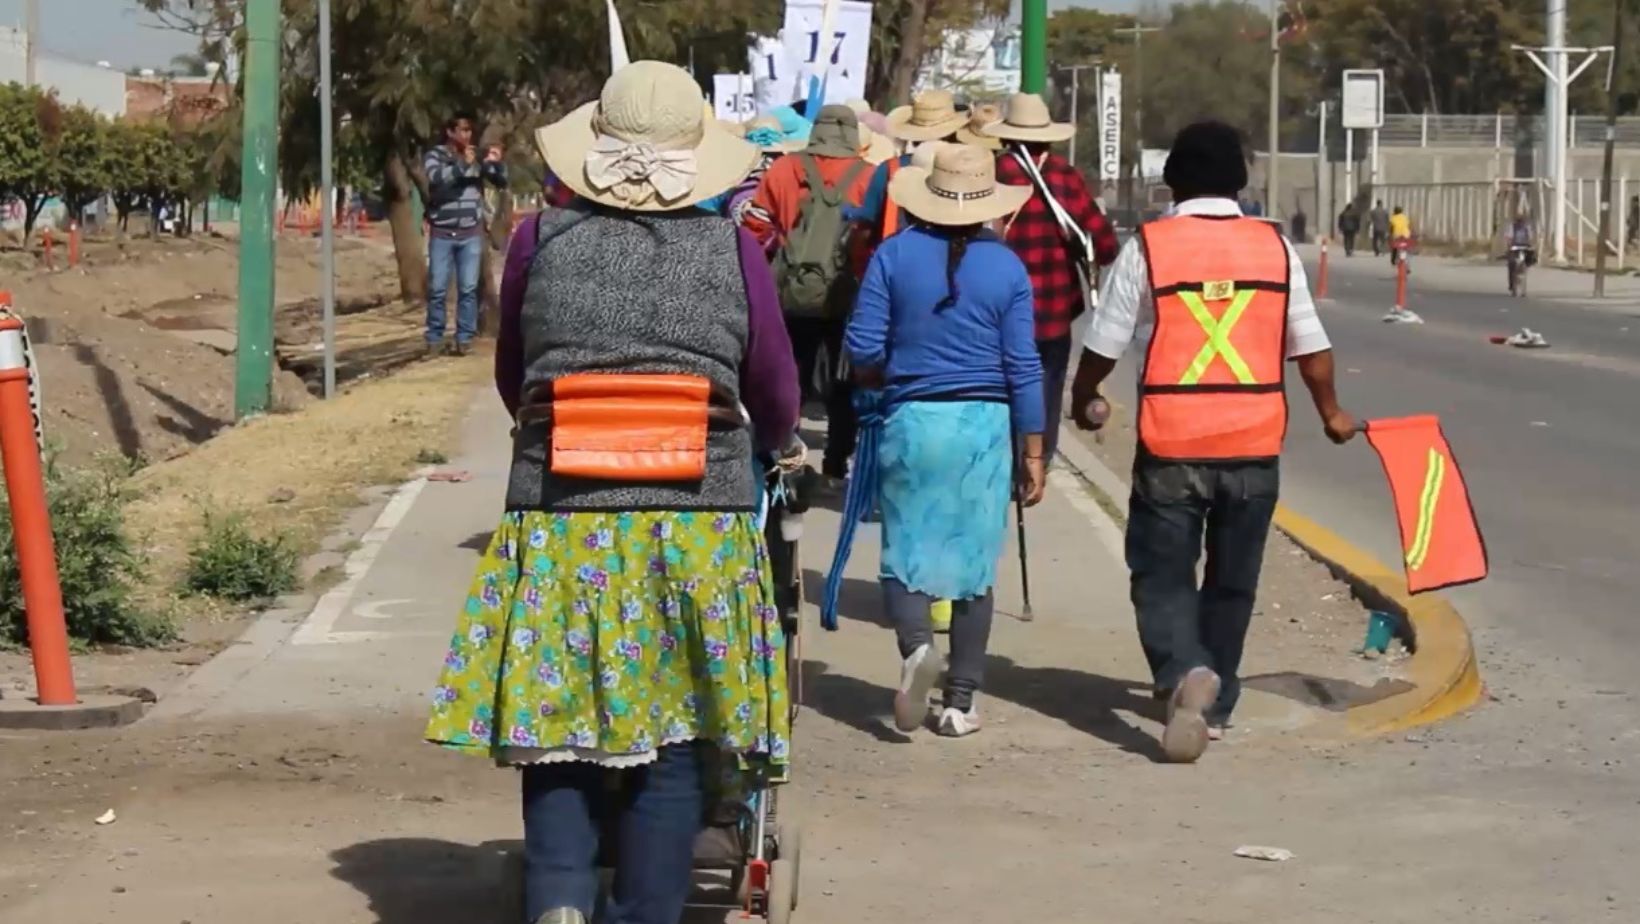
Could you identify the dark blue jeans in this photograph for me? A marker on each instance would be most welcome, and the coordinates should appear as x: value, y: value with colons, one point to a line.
x: 461, y: 258
x: 1177, y: 509
x: 654, y: 812
x: 1056, y: 363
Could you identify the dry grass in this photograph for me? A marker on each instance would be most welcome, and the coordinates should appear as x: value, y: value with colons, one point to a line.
x: 297, y: 475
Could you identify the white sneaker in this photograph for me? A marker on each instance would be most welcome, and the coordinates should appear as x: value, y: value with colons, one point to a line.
x: 917, y: 676
x: 561, y: 916
x: 954, y: 723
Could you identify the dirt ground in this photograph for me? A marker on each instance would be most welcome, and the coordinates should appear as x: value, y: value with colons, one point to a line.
x: 135, y: 346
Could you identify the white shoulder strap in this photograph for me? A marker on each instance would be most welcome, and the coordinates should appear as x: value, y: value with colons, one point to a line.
x: 1074, y: 235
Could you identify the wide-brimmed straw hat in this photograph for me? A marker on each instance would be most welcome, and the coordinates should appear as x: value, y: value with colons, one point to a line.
x: 960, y: 189
x: 932, y: 115
x: 979, y: 116
x: 1028, y: 120
x: 646, y: 144
x: 874, y: 146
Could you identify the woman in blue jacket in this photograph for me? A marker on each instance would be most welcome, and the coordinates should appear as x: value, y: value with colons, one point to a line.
x: 944, y: 326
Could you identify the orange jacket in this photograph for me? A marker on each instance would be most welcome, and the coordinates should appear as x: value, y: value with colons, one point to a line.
x: 1213, y: 386
x: 784, y: 188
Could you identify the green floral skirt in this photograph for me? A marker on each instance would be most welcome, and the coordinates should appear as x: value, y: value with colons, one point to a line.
x: 603, y: 637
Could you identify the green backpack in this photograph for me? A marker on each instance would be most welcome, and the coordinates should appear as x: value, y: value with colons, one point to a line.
x: 811, y: 269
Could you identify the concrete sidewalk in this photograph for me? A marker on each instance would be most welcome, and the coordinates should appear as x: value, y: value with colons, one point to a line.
x: 287, y: 781
x: 1473, y: 275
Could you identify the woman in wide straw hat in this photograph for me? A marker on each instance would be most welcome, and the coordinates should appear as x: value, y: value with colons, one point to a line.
x: 932, y: 116
x: 621, y: 638
x: 943, y: 327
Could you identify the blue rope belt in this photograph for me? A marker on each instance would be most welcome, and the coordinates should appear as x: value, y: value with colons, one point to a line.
x: 859, y: 500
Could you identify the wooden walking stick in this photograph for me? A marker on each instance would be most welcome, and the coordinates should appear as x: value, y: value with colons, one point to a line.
x: 1025, y: 615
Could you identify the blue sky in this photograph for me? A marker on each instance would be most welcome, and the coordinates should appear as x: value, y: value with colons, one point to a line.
x: 116, y: 31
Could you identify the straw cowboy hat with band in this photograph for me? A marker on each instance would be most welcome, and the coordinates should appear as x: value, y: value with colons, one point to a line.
x: 1028, y: 121
x: 960, y: 189
x: 931, y: 116
x: 981, y: 115
x: 646, y: 144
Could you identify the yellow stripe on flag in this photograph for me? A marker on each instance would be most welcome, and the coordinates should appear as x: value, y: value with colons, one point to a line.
x: 1433, y: 476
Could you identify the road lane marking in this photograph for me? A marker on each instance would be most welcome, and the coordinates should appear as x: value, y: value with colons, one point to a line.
x: 319, y: 628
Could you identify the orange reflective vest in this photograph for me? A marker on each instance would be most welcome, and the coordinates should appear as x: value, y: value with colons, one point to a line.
x: 1213, y: 382
x: 891, y: 212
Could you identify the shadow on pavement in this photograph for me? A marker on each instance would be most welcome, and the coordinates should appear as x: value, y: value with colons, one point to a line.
x: 427, y: 881
x: 854, y: 702
x: 1324, y: 693
x: 860, y: 601
x: 1089, y: 703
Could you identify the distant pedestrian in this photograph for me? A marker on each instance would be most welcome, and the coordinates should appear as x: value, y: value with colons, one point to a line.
x: 1062, y: 257
x: 1400, y: 234
x: 1349, y: 226
x: 945, y: 328
x: 1634, y: 219
x: 1300, y: 226
x: 1380, y: 228
x: 1218, y: 303
x: 455, y: 219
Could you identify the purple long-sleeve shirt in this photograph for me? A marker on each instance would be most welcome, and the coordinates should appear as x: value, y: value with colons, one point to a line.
x: 768, y: 371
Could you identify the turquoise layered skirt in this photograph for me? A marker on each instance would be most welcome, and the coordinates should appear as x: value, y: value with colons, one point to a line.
x: 945, y: 472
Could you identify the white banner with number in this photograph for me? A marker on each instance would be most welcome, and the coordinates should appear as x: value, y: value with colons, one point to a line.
x: 773, y: 76
x: 839, y: 59
x: 734, y: 97
x: 1110, y: 127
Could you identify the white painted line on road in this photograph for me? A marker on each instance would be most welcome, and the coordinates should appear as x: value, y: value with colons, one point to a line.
x: 1075, y: 491
x: 319, y: 627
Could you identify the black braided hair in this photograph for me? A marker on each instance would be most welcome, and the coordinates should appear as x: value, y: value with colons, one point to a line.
x: 956, y: 248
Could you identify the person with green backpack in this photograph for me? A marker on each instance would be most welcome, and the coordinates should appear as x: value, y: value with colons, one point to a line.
x: 803, y: 195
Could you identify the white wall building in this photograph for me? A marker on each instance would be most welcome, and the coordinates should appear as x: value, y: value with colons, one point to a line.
x: 98, y: 88
x: 981, y: 63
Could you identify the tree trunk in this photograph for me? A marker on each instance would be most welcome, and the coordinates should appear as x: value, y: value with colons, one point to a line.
x: 908, y: 57
x: 408, y: 245
x: 32, y: 207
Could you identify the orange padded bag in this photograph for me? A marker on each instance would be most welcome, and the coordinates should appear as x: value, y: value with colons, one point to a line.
x: 630, y: 427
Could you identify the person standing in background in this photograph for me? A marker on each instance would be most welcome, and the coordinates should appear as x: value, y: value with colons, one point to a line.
x: 1400, y: 234
x: 1380, y: 228
x: 1050, y: 254
x: 1349, y: 225
x: 455, y: 220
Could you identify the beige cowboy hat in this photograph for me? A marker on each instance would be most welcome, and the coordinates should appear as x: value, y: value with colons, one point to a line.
x: 981, y: 115
x: 874, y: 148
x: 931, y: 116
x: 647, y: 144
x: 960, y: 189
x: 763, y: 132
x: 1028, y: 120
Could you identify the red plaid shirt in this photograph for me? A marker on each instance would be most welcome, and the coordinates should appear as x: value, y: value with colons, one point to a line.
x: 1036, y: 238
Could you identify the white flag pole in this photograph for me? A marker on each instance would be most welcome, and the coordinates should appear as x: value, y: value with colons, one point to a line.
x: 618, y: 56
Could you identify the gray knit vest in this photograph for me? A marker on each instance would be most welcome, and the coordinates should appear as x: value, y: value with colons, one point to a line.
x: 634, y: 293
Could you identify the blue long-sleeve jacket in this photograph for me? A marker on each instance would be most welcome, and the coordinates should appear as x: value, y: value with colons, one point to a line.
x: 982, y: 347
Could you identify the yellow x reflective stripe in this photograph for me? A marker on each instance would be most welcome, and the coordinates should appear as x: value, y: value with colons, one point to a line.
x: 1218, y: 337
x: 1433, y: 476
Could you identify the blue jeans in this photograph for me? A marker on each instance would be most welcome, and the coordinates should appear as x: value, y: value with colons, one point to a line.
x: 460, y: 256
x: 654, y: 811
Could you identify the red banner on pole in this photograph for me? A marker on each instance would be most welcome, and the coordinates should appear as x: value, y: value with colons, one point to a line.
x: 1440, y: 539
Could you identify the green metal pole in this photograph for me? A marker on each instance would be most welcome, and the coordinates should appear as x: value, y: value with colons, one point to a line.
x: 253, y: 375
x: 1033, y: 46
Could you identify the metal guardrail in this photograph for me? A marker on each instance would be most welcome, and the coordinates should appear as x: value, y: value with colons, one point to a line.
x: 1501, y: 130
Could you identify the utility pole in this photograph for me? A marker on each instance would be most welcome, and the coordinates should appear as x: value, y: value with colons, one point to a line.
x: 1555, y: 109
x: 327, y: 196
x: 31, y: 54
x: 1033, y: 47
x: 1272, y: 173
x: 1076, y: 115
x: 1136, y: 163
x: 253, y: 374
x: 1612, y: 70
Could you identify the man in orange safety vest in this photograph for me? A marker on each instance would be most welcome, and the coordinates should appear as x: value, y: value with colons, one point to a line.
x: 1218, y: 302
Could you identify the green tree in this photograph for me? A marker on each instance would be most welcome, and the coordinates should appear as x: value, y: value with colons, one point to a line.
x: 145, y: 169
x: 30, y: 125
x: 80, y: 160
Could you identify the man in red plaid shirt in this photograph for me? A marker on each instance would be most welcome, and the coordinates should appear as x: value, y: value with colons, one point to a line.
x: 1035, y: 235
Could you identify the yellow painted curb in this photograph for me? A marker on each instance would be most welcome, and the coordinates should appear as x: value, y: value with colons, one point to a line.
x: 1445, y: 678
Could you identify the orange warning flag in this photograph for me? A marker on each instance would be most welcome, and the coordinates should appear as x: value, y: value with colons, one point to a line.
x: 1440, y: 539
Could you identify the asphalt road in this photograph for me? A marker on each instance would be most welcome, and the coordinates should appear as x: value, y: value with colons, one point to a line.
x: 1548, y: 440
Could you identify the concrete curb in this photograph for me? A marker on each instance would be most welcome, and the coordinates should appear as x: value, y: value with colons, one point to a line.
x: 1443, y: 672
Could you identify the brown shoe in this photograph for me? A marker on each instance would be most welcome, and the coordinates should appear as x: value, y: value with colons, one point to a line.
x: 462, y: 349
x: 434, y: 351
x: 1185, y: 738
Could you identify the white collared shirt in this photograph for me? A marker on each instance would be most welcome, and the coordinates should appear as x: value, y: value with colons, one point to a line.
x: 1127, y: 313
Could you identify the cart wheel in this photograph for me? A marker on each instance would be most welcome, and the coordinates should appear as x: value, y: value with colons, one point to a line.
x: 512, y: 887
x: 782, y: 892
x: 791, y: 852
